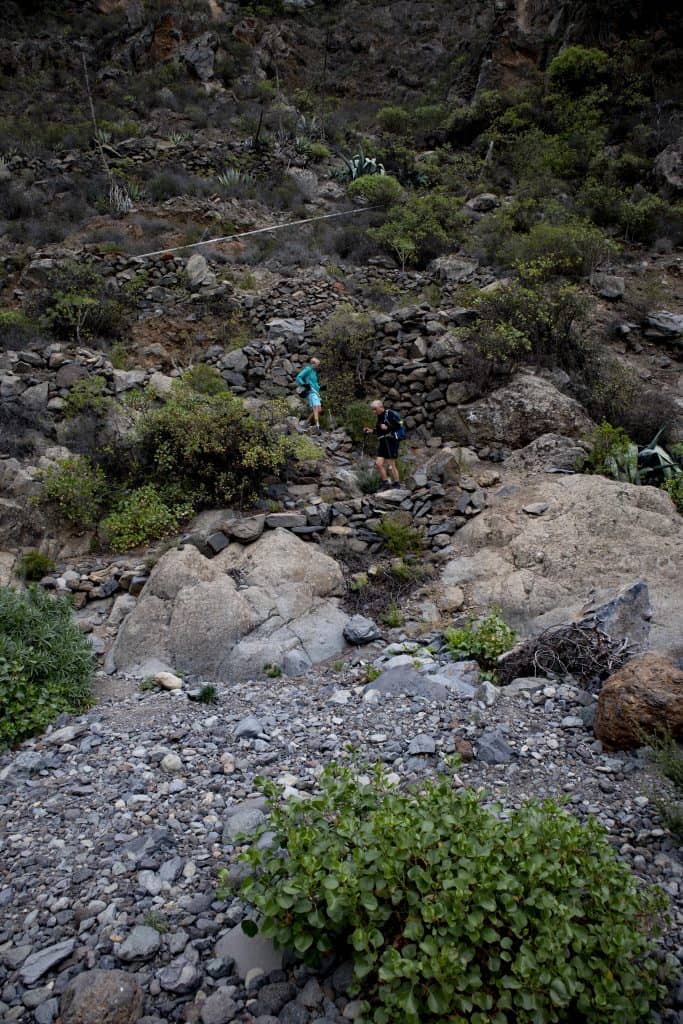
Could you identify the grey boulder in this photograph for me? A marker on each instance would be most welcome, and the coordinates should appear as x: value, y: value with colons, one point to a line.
x: 359, y: 630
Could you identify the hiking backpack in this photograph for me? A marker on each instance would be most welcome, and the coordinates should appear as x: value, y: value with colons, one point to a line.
x: 401, y: 432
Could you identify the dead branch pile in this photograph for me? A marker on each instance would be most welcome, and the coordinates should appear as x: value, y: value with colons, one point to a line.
x: 578, y: 649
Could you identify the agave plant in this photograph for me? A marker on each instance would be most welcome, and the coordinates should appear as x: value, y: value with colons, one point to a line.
x: 233, y: 177
x: 655, y: 464
x: 360, y: 164
x: 176, y: 138
x: 119, y: 199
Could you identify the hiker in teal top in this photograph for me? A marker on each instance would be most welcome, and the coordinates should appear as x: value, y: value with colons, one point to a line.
x: 308, y: 379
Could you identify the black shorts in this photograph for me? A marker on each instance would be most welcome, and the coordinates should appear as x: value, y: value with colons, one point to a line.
x: 388, y: 448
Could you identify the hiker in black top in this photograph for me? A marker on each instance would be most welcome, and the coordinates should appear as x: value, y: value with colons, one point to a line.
x: 388, y: 423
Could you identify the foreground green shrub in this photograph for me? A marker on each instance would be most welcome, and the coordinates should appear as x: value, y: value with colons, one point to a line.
x: 454, y: 912
x: 483, y: 639
x: 75, y: 489
x: 142, y: 516
x: 45, y: 663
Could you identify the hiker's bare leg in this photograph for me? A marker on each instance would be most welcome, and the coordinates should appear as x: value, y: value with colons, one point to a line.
x: 379, y: 462
x: 316, y: 415
x: 393, y: 469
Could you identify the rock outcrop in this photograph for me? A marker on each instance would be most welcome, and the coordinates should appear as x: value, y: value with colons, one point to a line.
x: 226, y: 618
x: 515, y: 415
x: 595, y: 536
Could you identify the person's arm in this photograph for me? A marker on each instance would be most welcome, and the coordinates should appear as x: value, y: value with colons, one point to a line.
x: 302, y: 376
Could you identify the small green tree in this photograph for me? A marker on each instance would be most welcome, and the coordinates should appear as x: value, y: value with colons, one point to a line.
x: 421, y: 228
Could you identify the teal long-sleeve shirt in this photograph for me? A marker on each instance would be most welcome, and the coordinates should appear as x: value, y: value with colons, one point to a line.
x: 308, y: 378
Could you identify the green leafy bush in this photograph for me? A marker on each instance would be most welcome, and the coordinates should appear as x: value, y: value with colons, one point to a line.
x: 483, y: 639
x: 142, y: 516
x: 345, y: 340
x: 76, y: 303
x: 368, y: 479
x: 45, y: 663
x: 33, y: 565
x: 204, y: 379
x: 358, y: 416
x: 75, y: 489
x: 453, y: 911
x: 395, y: 120
x: 578, y: 68
x: 612, y: 453
x: 400, y: 537
x: 530, y: 319
x: 87, y: 396
x: 668, y: 757
x: 212, y: 447
x: 421, y: 228
x: 376, y: 189
x: 674, y: 488
x: 572, y: 249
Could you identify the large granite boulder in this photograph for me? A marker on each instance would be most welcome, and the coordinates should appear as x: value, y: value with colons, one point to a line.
x: 226, y: 618
x: 645, y: 696
x: 595, y: 537
x: 514, y: 415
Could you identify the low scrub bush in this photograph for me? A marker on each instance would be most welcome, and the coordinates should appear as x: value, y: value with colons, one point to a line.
x: 674, y: 488
x: 16, y: 330
x: 394, y: 120
x: 345, y: 340
x: 578, y: 68
x: 76, y: 304
x: 572, y: 249
x: 453, y: 911
x: 33, y: 565
x: 358, y: 416
x: 668, y: 757
x: 376, y: 189
x: 204, y: 379
x: 75, y: 490
x: 45, y: 663
x: 140, y: 517
x: 529, y: 320
x: 482, y: 639
x: 401, y: 538
x: 612, y: 453
x: 87, y: 397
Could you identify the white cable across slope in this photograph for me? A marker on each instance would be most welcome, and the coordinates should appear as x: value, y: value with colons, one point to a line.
x: 255, y: 231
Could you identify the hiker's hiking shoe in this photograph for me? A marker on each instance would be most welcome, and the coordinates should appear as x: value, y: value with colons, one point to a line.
x: 396, y: 485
